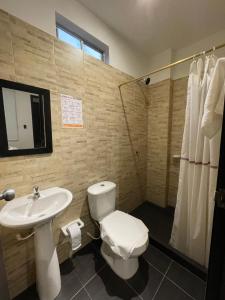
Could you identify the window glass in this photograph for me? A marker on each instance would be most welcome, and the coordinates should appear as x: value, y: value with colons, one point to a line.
x: 68, y: 38
x: 93, y: 52
x: 71, y: 39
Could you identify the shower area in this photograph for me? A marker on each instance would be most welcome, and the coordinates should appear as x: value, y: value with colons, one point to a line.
x: 169, y: 169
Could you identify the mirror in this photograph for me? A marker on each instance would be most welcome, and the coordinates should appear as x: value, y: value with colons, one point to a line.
x: 25, y: 119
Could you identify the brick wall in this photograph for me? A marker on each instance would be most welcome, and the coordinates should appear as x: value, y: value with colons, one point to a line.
x: 102, y: 150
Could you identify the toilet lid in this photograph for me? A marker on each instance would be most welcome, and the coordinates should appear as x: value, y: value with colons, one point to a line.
x: 123, y: 233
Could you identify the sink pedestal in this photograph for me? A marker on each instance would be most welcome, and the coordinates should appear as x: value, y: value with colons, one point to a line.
x: 47, y: 264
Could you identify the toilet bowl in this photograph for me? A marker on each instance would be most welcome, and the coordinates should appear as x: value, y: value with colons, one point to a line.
x: 124, y: 237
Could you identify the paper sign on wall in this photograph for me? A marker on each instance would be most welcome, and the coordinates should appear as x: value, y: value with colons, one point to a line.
x: 72, y: 114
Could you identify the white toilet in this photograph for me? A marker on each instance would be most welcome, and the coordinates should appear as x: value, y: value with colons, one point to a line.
x: 124, y: 236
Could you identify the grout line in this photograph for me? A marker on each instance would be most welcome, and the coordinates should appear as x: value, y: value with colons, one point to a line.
x: 83, y: 286
x: 77, y: 293
x: 163, y: 273
x: 167, y: 270
x: 180, y: 288
x: 87, y: 293
x: 190, y: 272
x: 154, y: 267
x: 204, y: 281
x: 90, y: 279
x: 160, y: 284
x: 165, y: 276
x: 130, y: 286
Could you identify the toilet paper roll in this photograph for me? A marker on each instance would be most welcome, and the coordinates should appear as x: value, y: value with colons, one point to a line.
x: 74, y: 236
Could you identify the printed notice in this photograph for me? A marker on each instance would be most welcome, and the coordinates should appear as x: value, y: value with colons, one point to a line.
x: 72, y: 114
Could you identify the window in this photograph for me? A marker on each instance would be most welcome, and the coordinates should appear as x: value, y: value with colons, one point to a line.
x: 93, y: 52
x: 78, y: 38
x: 77, y: 42
x: 68, y: 38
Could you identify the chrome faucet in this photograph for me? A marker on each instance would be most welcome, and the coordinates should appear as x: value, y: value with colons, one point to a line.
x: 7, y: 194
x: 36, y: 193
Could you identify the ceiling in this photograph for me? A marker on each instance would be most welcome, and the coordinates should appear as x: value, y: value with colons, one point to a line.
x: 153, y: 26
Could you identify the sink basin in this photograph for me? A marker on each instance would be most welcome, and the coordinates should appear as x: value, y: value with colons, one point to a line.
x: 25, y: 212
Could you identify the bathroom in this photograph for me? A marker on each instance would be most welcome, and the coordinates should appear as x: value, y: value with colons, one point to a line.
x: 104, y: 166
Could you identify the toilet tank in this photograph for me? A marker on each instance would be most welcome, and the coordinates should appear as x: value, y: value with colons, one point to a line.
x: 101, y: 199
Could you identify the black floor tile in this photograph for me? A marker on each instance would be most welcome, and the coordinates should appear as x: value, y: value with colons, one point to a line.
x: 87, y: 262
x: 157, y: 258
x: 158, y: 220
x: 70, y: 282
x: 82, y: 295
x: 189, y: 282
x: 169, y: 291
x: 107, y: 285
x: 146, y: 281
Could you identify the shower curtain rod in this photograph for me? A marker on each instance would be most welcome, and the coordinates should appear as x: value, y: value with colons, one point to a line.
x: 173, y: 64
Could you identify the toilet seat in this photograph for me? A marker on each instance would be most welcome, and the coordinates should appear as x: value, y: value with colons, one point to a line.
x: 124, y: 234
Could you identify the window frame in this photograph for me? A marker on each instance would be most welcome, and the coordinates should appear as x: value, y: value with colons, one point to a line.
x: 84, y: 37
x: 94, y: 48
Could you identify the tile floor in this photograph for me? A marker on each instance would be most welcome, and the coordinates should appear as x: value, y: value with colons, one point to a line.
x: 159, y: 220
x: 86, y: 276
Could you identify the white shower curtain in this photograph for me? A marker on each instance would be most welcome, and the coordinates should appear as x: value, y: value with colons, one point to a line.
x: 192, y: 225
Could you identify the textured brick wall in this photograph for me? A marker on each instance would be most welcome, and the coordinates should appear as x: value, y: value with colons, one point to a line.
x: 102, y: 150
x: 166, y: 112
x: 158, y: 142
x: 178, y: 117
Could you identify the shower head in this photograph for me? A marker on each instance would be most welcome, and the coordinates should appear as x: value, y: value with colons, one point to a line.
x: 145, y: 81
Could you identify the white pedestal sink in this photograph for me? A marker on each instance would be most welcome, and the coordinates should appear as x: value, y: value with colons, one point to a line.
x: 25, y: 212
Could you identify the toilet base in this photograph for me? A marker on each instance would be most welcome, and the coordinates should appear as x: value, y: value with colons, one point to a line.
x: 125, y: 269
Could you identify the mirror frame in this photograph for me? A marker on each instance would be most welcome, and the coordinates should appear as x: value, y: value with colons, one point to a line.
x: 4, y: 150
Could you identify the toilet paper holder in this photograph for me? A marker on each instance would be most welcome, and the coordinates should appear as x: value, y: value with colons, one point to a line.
x: 79, y: 222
